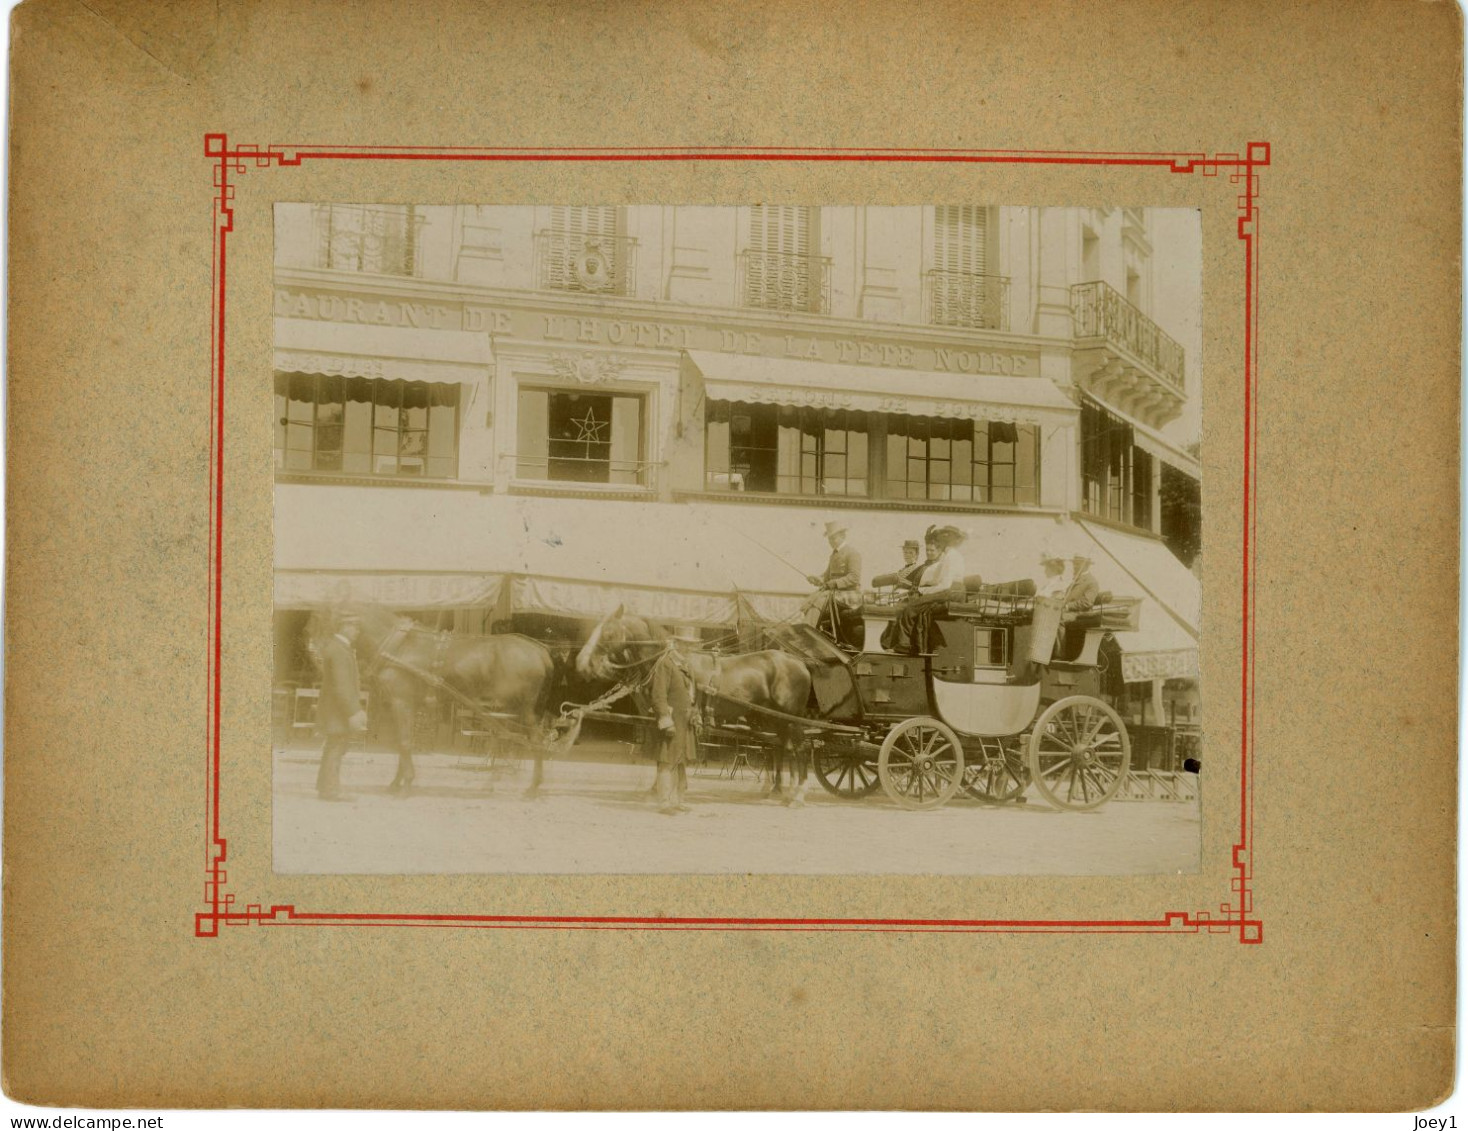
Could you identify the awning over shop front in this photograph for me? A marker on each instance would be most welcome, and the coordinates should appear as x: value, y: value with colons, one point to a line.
x: 581, y: 557
x: 681, y: 562
x: 305, y: 589
x: 390, y: 352
x: 764, y: 380
x: 1153, y: 442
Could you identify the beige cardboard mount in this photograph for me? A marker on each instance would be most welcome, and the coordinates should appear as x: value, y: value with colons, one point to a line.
x: 151, y: 956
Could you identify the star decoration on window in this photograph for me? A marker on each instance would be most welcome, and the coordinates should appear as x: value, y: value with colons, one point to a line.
x: 589, y: 429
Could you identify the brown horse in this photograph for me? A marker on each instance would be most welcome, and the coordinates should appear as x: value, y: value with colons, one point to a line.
x: 622, y: 645
x: 513, y: 677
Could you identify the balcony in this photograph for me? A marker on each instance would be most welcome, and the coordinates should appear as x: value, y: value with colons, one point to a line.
x: 960, y: 298
x: 772, y: 280
x: 374, y: 239
x: 1123, y: 357
x: 584, y: 263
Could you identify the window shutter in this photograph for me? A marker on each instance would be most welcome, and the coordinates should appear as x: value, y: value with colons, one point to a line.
x: 960, y: 295
x: 780, y: 242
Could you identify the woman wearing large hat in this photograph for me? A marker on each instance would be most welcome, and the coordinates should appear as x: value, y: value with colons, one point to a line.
x: 916, y: 630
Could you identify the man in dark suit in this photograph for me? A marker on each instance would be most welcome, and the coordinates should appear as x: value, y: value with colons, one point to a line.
x: 672, y: 703
x: 339, y: 712
x: 838, y: 591
x: 1084, y: 588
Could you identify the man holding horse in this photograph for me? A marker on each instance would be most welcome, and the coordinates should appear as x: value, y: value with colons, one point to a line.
x: 671, y: 692
x: 339, y: 712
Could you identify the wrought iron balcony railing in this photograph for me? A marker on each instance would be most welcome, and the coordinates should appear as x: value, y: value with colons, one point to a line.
x: 962, y: 298
x: 589, y: 264
x: 1099, y: 311
x: 777, y: 281
x: 375, y: 239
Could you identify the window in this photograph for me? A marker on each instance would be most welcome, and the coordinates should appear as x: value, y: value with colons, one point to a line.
x: 1180, y: 518
x: 991, y: 647
x: 1090, y: 256
x: 580, y: 437
x: 1116, y: 475
x: 963, y: 460
x: 779, y: 269
x: 1141, y: 500
x: 785, y: 450
x: 362, y: 426
x: 586, y: 250
x: 379, y: 239
x: 960, y: 290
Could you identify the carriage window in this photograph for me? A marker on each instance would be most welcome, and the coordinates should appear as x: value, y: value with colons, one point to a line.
x: 580, y: 438
x: 963, y: 460
x: 991, y: 647
x: 362, y: 426
x: 779, y: 449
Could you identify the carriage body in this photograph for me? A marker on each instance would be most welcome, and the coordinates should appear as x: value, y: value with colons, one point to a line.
x: 1011, y: 694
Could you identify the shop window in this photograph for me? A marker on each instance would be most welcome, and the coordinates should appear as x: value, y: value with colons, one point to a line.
x: 580, y: 437
x: 378, y: 239
x: 785, y: 450
x: 963, y: 461
x: 779, y: 269
x: 1181, y: 513
x: 586, y: 250
x: 364, y: 426
x: 1116, y: 475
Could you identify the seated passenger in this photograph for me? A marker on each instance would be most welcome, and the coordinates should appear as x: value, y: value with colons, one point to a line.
x: 1083, y: 590
x: 1053, y: 584
x: 916, y: 630
x: 835, y: 607
x: 905, y: 580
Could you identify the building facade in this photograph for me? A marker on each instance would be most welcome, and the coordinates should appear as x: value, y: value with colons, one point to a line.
x: 538, y: 409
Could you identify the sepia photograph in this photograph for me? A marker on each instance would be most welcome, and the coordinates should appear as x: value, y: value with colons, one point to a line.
x: 772, y: 539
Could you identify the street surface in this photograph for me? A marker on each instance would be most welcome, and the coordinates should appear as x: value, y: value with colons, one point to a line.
x: 598, y: 817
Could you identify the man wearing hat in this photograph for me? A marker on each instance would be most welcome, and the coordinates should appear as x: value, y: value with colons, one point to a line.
x: 339, y: 711
x: 671, y: 692
x: 838, y: 590
x: 1084, y: 588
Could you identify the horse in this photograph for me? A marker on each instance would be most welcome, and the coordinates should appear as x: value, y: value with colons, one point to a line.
x: 769, y: 679
x: 402, y: 663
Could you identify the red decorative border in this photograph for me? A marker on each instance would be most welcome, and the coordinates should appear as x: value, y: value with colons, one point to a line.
x: 1233, y: 917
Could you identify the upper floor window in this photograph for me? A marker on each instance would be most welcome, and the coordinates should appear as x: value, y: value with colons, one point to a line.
x: 960, y: 290
x: 780, y: 449
x: 366, y: 426
x: 380, y: 239
x: 780, y: 269
x: 581, y: 437
x: 586, y: 249
x: 983, y: 461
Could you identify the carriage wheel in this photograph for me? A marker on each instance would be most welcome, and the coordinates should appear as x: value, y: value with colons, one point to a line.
x: 846, y: 771
x: 1079, y: 753
x: 1001, y: 776
x: 921, y: 763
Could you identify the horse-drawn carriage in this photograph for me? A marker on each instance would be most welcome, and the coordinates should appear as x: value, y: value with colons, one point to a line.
x: 1008, y: 695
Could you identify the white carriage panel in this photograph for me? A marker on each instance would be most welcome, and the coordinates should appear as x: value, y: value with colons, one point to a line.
x: 985, y: 709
